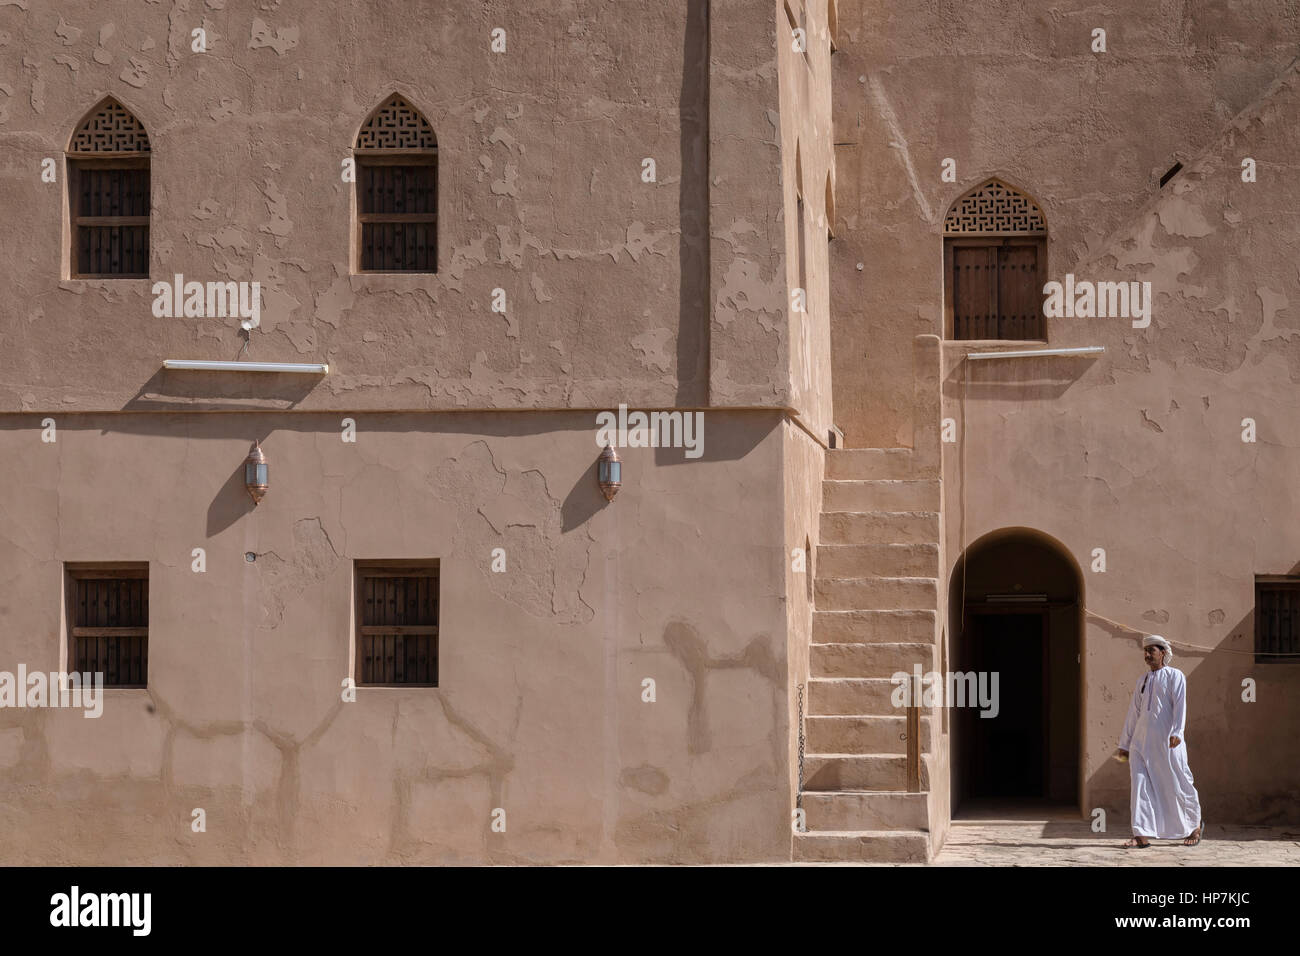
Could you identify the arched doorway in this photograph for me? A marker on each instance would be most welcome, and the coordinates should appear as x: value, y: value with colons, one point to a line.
x: 1016, y: 611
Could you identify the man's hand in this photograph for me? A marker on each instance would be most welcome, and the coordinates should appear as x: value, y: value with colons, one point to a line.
x: 1173, y: 742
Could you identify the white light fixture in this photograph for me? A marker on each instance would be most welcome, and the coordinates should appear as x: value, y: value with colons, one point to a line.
x: 195, y: 365
x: 1083, y: 350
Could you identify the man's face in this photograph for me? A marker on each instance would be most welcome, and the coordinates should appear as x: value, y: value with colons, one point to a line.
x: 1155, y: 656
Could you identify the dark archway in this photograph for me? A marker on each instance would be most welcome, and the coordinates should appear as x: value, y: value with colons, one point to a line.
x: 1015, y: 608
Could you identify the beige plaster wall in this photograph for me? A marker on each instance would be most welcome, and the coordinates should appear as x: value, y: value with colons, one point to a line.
x: 539, y: 710
x: 1140, y: 452
x: 1012, y: 90
x: 671, y: 293
x: 663, y: 293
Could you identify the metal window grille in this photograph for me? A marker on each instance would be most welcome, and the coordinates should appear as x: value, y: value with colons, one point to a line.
x: 1277, y: 618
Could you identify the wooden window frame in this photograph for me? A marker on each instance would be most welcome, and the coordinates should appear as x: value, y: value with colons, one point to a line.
x: 1278, y: 582
x: 395, y: 157
x: 122, y: 570
x: 76, y: 163
x: 413, y: 567
x: 994, y: 241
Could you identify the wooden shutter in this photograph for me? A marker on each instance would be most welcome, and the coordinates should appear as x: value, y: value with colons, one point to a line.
x: 110, y: 617
x: 110, y: 217
x: 1020, y: 300
x: 397, y: 639
x: 995, y: 289
x: 397, y: 205
x: 974, y: 292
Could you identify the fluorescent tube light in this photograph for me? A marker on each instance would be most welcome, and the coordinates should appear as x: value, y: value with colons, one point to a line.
x: 1083, y: 350
x: 198, y: 365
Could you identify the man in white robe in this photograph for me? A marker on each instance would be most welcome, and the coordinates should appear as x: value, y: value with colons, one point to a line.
x: 1164, y: 802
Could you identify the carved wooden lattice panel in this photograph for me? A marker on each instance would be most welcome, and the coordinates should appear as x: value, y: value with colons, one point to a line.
x: 396, y: 125
x: 995, y: 209
x: 110, y: 129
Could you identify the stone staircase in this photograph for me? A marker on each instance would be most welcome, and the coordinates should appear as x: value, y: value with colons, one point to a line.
x: 876, y: 596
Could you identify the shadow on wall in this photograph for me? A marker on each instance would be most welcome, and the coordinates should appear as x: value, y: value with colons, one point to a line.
x: 231, y: 503
x: 286, y: 389
x: 582, y: 502
x: 693, y: 212
x: 1244, y: 757
x: 1016, y: 379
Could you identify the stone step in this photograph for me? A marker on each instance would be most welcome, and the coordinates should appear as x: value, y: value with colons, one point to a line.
x: 861, y: 735
x: 920, y: 494
x: 874, y: 627
x: 871, y: 846
x: 868, y: 660
x: 834, y: 561
x: 879, y: 527
x: 866, y: 810
x: 850, y: 695
x: 868, y: 463
x: 872, y: 772
x: 877, y: 594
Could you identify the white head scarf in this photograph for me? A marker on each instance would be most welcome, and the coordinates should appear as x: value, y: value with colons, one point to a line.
x: 1160, y: 642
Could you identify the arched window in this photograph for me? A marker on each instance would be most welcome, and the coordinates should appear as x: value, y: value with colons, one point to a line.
x: 995, y: 264
x: 108, y: 194
x: 397, y: 191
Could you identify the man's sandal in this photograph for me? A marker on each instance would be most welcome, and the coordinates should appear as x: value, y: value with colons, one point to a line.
x: 1199, y: 832
x: 1133, y: 844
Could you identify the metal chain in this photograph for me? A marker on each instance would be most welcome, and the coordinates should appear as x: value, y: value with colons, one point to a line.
x: 798, y: 799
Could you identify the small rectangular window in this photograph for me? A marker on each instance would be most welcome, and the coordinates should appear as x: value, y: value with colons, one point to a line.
x: 109, y: 612
x: 397, y: 623
x: 109, y: 201
x: 1277, y: 617
x: 397, y: 208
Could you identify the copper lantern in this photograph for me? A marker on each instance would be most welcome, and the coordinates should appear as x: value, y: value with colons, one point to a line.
x: 256, y: 479
x: 609, y: 471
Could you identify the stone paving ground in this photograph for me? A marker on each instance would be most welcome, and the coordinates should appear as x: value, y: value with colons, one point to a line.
x: 1054, y: 837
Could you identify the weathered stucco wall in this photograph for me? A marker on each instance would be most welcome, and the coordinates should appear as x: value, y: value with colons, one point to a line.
x: 609, y: 280
x: 1012, y: 90
x: 1140, y: 452
x: 474, y: 431
x: 682, y: 578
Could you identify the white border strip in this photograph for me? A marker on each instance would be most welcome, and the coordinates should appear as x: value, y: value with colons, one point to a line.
x: 1082, y: 350
x: 197, y: 365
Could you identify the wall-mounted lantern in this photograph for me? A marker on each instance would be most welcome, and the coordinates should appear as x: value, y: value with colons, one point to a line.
x: 256, y: 479
x: 609, y: 472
